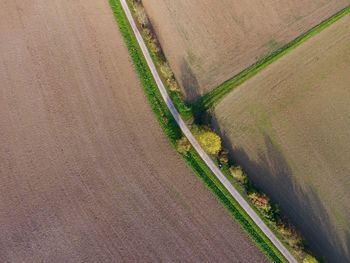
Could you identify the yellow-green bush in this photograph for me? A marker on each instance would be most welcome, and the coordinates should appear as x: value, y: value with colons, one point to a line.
x: 238, y: 174
x: 223, y: 156
x: 166, y: 71
x: 293, y: 238
x: 168, y: 75
x: 309, y: 259
x: 141, y: 15
x: 152, y: 43
x: 183, y: 145
x: 210, y: 142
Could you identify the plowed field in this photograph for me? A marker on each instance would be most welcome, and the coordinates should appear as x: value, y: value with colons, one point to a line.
x: 86, y: 174
x: 208, y: 42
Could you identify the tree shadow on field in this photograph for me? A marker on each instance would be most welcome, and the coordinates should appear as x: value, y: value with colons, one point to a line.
x: 191, y: 88
x: 302, y: 205
x: 189, y: 82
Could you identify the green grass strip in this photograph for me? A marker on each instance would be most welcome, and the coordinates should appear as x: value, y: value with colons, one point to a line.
x: 184, y: 110
x: 212, y: 98
x: 173, y: 132
x: 154, y: 97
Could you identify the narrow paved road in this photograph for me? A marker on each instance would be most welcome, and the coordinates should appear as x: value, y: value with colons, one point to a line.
x: 198, y: 148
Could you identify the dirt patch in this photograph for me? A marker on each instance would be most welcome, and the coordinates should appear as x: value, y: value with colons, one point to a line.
x: 290, y: 128
x: 86, y: 173
x: 218, y: 39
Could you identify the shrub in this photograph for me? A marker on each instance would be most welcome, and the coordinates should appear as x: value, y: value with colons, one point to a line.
x: 238, y: 174
x: 168, y: 75
x: 166, y: 71
x: 223, y: 156
x: 210, y: 142
x: 141, y: 15
x: 309, y: 259
x: 275, y: 214
x: 261, y: 201
x: 292, y: 237
x: 172, y: 85
x: 183, y: 145
x: 154, y: 46
x: 151, y: 42
x: 147, y: 34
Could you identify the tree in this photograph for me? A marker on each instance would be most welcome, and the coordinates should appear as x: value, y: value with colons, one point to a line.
x: 210, y: 142
x: 238, y: 174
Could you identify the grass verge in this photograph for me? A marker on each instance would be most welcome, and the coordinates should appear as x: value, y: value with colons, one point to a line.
x: 173, y: 132
x: 212, y: 98
x: 159, y: 59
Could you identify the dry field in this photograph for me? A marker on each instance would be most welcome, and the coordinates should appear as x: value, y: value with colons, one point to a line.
x: 289, y: 127
x: 86, y: 174
x: 208, y: 42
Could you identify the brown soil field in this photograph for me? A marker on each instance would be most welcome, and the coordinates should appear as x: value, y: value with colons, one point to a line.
x: 208, y: 42
x: 86, y: 174
x: 289, y: 126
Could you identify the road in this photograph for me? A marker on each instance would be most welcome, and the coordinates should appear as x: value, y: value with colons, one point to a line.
x: 242, y: 202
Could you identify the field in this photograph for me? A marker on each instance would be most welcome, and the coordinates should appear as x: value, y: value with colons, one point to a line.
x: 86, y: 173
x: 208, y: 42
x: 289, y: 126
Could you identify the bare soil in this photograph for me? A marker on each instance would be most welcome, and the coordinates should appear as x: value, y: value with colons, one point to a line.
x: 86, y: 174
x: 208, y: 42
x: 289, y: 127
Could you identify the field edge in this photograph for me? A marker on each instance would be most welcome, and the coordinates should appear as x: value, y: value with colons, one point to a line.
x: 212, y: 98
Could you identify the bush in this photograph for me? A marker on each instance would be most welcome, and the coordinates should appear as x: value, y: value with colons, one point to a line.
x: 172, y: 85
x: 166, y: 71
x: 292, y: 237
x: 154, y: 46
x: 168, y: 75
x: 141, y: 15
x: 151, y: 42
x: 238, y: 174
x: 223, y: 156
x: 309, y: 259
x: 183, y: 145
x: 210, y: 142
x: 262, y: 202
x: 147, y: 34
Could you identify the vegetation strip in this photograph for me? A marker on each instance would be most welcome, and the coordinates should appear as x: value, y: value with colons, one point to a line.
x: 173, y: 131
x: 212, y: 98
x: 165, y: 72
